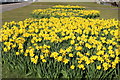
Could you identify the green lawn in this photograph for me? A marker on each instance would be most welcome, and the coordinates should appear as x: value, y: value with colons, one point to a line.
x: 106, y: 11
x: 24, y: 12
x: 87, y: 4
x: 19, y: 13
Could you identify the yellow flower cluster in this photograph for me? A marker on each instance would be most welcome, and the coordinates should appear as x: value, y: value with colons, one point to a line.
x: 41, y: 13
x: 86, y: 41
x: 68, y: 7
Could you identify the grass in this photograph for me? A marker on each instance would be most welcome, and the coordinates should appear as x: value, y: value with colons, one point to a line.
x: 107, y: 12
x: 88, y: 4
x: 24, y: 12
x: 7, y: 73
x: 19, y: 13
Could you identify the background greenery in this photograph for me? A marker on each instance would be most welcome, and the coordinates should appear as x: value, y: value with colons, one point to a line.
x: 24, y: 12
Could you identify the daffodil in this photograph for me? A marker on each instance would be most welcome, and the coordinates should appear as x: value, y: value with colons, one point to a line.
x: 72, y: 66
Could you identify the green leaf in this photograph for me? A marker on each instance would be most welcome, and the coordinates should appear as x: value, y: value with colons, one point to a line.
x: 105, y: 76
x: 39, y: 75
x: 28, y: 74
x: 65, y: 75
